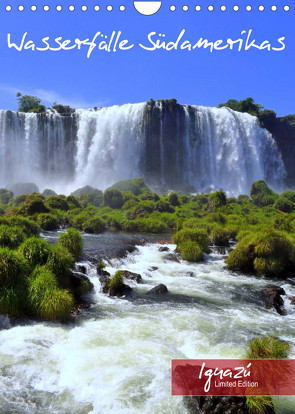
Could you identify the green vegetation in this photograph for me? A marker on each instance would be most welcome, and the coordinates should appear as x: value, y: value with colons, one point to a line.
x: 191, y: 243
x: 116, y: 282
x: 262, y: 195
x: 136, y: 186
x: 73, y: 241
x: 113, y: 198
x: 267, y: 347
x: 28, y: 103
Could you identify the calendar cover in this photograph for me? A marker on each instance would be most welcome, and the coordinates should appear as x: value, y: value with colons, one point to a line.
x: 147, y: 207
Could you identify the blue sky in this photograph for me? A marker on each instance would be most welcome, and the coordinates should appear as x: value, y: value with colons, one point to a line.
x: 197, y: 77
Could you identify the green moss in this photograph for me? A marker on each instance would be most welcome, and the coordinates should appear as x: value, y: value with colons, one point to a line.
x: 116, y: 282
x: 72, y: 241
x: 11, y: 237
x: 35, y: 250
x: 290, y: 195
x: 199, y: 236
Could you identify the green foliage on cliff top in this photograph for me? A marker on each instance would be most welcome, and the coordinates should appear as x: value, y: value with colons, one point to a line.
x: 136, y: 186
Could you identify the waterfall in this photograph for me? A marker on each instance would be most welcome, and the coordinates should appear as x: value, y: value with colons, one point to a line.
x: 178, y: 146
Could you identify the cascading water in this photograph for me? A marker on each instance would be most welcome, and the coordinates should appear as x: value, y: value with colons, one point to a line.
x: 177, y: 146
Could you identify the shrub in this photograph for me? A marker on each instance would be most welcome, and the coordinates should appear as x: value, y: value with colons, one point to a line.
x: 12, y: 301
x: 266, y: 252
x: 48, y: 221
x: 73, y: 202
x: 290, y: 195
x: 149, y: 196
x: 285, y: 205
x: 142, y: 209
x: 216, y: 200
x: 261, y: 194
x: 77, y: 220
x: 220, y: 236
x: 163, y: 206
x: 11, y: 237
x: 5, y: 196
x: 86, y: 190
x: 60, y: 262
x: 73, y: 241
x: 135, y: 185
x: 267, y: 347
x: 282, y: 223
x: 173, y: 199
x: 190, y: 251
x: 94, y: 225
x: 57, y: 203
x: 47, y: 193
x: 92, y: 198
x: 33, y: 204
x: 46, y: 300
x: 35, y: 250
x: 29, y: 227
x: 13, y: 268
x: 200, y: 236
x: 113, y: 198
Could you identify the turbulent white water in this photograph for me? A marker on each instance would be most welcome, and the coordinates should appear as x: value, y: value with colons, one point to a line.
x: 198, y: 146
x: 117, y: 358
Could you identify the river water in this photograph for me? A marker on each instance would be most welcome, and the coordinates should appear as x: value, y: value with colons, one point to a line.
x: 116, y: 356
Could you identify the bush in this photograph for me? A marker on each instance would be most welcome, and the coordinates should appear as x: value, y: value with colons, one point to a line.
x: 269, y: 253
x: 73, y: 202
x: 13, y: 268
x: 267, y: 347
x: 220, y: 236
x: 11, y: 237
x: 135, y: 185
x: 173, y: 199
x: 72, y: 241
x: 12, y: 301
x: 47, y: 193
x: 33, y: 204
x: 113, y: 198
x: 216, y: 200
x: 48, y: 221
x: 5, y: 196
x: 35, y: 250
x: 29, y: 227
x: 85, y: 190
x: 190, y: 251
x: 290, y: 195
x: 199, y: 236
x: 285, y: 205
x: 94, y: 225
x: 282, y: 223
x: 57, y: 203
x: 46, y: 300
x: 163, y: 206
x: 92, y: 198
x: 261, y: 194
x: 28, y: 103
x: 60, y: 262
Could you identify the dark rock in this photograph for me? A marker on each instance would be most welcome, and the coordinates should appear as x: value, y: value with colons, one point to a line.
x: 216, y: 405
x: 78, y: 285
x: 102, y: 272
x: 158, y: 290
x: 104, y: 281
x: 120, y: 291
x: 132, y: 276
x: 272, y: 298
x: 171, y: 257
x: 81, y: 269
x: 153, y: 268
x: 163, y: 249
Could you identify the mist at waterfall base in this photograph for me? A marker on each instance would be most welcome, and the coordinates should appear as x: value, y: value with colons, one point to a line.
x: 195, y: 146
x: 116, y: 358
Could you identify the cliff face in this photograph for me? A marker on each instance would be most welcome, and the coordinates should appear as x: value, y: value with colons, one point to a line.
x: 283, y: 131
